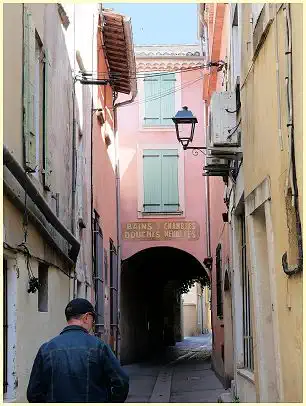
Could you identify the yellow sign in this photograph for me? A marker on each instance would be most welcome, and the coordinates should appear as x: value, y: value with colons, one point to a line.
x: 161, y: 231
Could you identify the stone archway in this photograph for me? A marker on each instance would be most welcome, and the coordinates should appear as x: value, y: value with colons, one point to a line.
x: 150, y: 292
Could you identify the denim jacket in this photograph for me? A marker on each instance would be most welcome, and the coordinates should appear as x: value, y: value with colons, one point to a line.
x: 77, y: 367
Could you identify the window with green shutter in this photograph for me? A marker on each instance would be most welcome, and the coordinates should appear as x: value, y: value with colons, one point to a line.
x: 160, y: 180
x: 167, y: 100
x: 46, y: 157
x: 29, y: 132
x: 152, y: 101
x: 159, y: 99
x: 35, y: 102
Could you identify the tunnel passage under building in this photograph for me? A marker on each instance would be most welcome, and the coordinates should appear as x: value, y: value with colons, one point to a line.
x: 151, y: 301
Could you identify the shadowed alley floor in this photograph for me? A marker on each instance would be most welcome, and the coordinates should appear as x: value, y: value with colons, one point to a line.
x: 179, y: 374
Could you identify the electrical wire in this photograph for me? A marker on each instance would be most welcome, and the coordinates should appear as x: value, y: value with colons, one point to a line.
x: 33, y: 281
x: 145, y: 75
x: 166, y: 93
x: 156, y: 97
x: 20, y: 248
x: 94, y: 78
x: 233, y: 130
x: 158, y: 74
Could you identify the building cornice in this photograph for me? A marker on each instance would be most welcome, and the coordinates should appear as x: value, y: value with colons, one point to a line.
x: 157, y: 51
x: 167, y: 65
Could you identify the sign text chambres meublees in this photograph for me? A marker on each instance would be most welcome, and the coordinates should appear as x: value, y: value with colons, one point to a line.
x: 161, y: 231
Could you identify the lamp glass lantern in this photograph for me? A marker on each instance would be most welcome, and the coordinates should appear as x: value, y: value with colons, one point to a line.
x: 185, y: 123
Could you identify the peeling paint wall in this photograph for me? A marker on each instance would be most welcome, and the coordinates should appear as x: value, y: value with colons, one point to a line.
x: 48, y: 25
x: 12, y: 275
x: 34, y: 327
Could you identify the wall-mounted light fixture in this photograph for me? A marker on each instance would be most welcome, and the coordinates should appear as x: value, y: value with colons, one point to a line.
x: 185, y: 123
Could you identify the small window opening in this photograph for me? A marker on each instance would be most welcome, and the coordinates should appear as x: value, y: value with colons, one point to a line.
x: 79, y: 287
x: 43, y: 288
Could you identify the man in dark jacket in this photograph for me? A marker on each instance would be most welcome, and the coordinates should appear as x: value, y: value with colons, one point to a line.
x: 76, y: 366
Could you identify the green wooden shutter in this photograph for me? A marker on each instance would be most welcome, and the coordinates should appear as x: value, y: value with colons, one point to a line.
x: 170, y: 194
x: 167, y: 105
x: 152, y: 180
x: 152, y: 101
x: 28, y: 92
x: 47, y: 162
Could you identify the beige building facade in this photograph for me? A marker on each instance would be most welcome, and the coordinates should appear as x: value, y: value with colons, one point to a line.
x: 262, y: 71
x: 196, y: 317
x: 272, y: 128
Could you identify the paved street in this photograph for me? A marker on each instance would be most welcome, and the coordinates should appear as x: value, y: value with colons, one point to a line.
x: 180, y: 374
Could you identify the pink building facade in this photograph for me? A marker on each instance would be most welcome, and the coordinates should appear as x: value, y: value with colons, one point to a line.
x: 162, y: 187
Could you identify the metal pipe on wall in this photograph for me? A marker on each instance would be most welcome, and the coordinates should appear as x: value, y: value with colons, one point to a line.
x: 207, y: 199
x: 279, y: 121
x: 74, y: 152
x: 290, y: 125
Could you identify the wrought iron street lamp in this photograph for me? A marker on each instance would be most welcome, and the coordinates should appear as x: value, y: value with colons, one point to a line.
x: 185, y: 123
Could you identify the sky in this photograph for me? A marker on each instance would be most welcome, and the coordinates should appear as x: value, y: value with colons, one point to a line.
x: 160, y: 23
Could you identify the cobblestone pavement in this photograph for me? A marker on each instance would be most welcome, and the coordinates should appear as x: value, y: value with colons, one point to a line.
x: 178, y: 374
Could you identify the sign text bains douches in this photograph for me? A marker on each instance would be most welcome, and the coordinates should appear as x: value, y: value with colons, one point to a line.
x: 161, y: 230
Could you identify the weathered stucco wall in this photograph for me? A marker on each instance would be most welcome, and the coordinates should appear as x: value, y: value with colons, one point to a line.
x: 33, y: 327
x: 47, y: 22
x: 263, y: 157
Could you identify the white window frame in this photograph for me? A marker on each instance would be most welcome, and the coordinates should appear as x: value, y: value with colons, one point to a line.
x: 261, y: 198
x: 140, y: 185
x: 247, y: 329
x: 237, y: 289
x: 141, y: 101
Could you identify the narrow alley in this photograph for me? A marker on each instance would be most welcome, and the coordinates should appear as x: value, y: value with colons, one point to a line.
x: 179, y: 374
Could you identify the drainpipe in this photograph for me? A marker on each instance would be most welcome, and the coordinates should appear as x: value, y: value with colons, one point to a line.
x: 279, y: 120
x: 208, y: 216
x: 90, y: 82
x: 73, y: 179
x: 118, y: 207
x: 132, y: 63
x: 207, y: 206
x: 290, y: 125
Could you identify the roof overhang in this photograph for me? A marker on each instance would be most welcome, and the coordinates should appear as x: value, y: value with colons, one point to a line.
x: 119, y: 49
